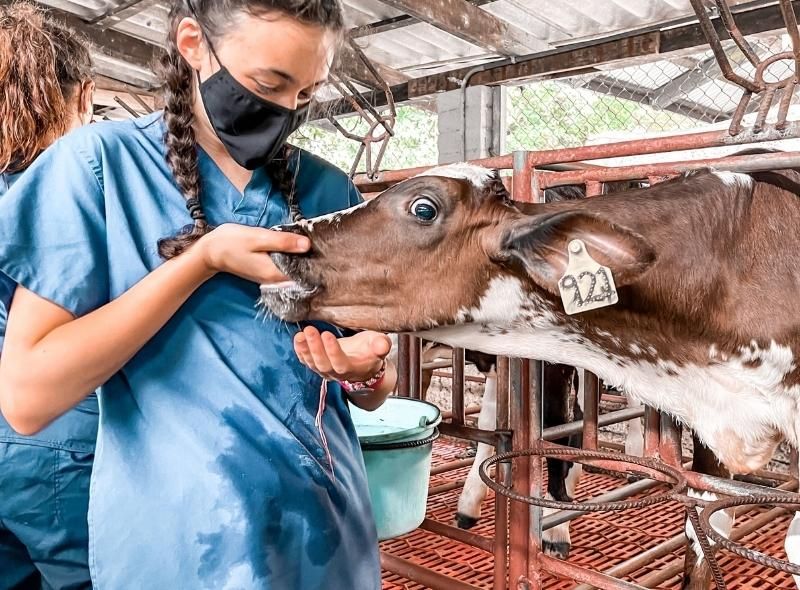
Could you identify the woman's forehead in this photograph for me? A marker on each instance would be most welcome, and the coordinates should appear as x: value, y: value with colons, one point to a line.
x: 275, y: 43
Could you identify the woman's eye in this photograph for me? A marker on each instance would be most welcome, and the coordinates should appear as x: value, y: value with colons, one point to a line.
x: 424, y: 209
x: 265, y: 89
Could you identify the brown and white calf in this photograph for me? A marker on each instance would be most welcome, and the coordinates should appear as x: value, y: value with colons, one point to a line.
x: 704, y: 268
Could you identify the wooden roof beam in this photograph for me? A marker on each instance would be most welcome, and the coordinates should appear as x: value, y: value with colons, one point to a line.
x: 466, y: 21
x: 141, y: 54
x: 350, y: 64
x: 122, y: 11
x: 395, y: 22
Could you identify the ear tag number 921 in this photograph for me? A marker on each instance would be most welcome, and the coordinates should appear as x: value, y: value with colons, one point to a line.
x: 586, y: 283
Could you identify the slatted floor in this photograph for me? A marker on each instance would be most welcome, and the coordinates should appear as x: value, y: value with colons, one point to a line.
x: 599, y: 540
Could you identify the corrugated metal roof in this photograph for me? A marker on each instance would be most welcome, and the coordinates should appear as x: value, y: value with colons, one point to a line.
x: 551, y: 23
x: 420, y: 49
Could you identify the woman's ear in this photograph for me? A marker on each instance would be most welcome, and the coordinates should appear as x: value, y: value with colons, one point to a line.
x: 86, y: 101
x: 190, y: 43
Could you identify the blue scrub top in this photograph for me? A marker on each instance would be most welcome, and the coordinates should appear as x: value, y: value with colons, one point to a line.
x: 75, y: 431
x: 210, y: 472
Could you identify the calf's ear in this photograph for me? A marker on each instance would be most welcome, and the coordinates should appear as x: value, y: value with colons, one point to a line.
x: 540, y: 245
x: 496, y: 188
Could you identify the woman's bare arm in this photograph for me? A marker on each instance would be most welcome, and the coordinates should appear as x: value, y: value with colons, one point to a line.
x: 51, y: 360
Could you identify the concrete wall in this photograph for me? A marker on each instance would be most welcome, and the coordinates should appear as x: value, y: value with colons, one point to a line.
x: 485, y: 124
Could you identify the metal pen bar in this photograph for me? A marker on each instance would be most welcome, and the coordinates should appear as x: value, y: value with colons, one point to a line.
x: 457, y: 389
x: 615, y: 417
x: 636, y: 147
x: 591, y: 409
x: 750, y: 163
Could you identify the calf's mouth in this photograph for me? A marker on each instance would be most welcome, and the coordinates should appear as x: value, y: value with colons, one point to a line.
x: 289, y: 300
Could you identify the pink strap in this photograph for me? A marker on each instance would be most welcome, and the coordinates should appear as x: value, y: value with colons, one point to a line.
x: 323, y: 394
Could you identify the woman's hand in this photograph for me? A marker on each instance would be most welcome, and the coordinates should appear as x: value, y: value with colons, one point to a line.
x: 244, y: 251
x: 355, y: 358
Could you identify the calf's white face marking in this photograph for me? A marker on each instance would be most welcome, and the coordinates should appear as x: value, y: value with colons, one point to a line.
x: 477, y: 175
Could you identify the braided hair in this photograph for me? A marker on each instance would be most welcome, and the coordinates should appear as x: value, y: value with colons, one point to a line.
x: 178, y: 87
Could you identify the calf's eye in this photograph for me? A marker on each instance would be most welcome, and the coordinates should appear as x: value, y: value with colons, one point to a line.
x: 424, y: 209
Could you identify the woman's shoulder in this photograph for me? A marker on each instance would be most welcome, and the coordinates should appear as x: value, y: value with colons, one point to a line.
x: 101, y: 137
x: 105, y: 147
x: 81, y: 160
x: 313, y: 166
x: 324, y: 188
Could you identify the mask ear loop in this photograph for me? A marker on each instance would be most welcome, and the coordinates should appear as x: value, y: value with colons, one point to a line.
x: 206, y: 38
x: 294, y: 207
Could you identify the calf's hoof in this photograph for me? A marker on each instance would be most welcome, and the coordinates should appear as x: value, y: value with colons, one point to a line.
x: 558, y: 549
x: 465, y: 522
x: 468, y: 453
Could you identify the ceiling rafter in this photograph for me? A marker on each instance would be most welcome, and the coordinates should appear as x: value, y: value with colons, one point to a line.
x: 466, y: 21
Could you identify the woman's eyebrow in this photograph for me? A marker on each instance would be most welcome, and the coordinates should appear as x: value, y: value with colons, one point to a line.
x: 288, y: 77
x: 274, y: 72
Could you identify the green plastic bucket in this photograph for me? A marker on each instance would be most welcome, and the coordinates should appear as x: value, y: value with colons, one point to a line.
x: 397, y: 443
x: 398, y: 419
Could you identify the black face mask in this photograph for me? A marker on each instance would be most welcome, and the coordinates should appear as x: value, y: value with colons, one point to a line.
x: 252, y: 129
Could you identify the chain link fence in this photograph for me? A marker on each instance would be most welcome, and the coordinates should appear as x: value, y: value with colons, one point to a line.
x: 680, y: 94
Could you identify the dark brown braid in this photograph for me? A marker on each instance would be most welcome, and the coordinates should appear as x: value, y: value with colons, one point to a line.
x: 281, y: 171
x: 215, y: 16
x: 181, y: 149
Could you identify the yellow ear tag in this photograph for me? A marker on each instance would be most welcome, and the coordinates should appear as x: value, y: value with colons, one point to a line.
x: 586, y: 283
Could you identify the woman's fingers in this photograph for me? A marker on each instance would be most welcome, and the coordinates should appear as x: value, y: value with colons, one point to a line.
x: 317, y: 350
x: 380, y: 344
x: 338, y: 359
x: 266, y: 240
x: 324, y: 353
x: 244, y: 251
x: 301, y: 349
x: 262, y: 270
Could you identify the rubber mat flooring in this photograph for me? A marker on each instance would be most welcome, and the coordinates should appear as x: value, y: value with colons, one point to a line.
x: 600, y: 540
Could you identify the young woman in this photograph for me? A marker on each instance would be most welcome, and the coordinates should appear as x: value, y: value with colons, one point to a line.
x: 222, y: 461
x: 45, y: 90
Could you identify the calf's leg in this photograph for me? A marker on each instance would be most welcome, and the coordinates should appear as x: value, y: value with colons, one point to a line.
x: 474, y: 492
x: 697, y: 573
x: 561, y: 385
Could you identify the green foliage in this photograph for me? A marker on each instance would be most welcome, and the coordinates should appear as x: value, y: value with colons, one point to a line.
x: 414, y: 143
